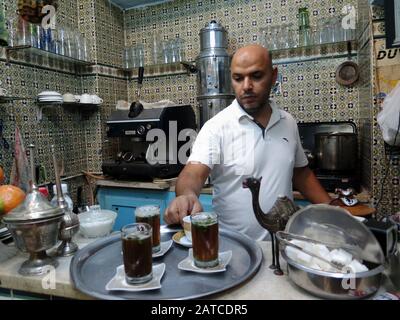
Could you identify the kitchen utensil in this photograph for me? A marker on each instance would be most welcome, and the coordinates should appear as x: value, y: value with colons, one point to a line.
x: 136, y: 107
x: 330, y: 224
x: 333, y: 224
x: 354, y: 250
x: 34, y: 226
x: 332, y: 285
x: 70, y: 222
x: 336, y: 151
x: 348, y: 72
x: 335, y: 265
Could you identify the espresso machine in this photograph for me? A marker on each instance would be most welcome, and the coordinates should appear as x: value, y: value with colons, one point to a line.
x: 150, y: 142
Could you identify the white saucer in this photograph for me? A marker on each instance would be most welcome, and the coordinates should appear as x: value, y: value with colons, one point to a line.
x: 188, y: 264
x: 165, y: 246
x: 181, y: 239
x: 118, y: 282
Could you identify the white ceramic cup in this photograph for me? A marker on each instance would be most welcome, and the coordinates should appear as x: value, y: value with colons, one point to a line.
x: 122, y: 104
x: 69, y: 97
x: 96, y: 99
x: 3, y: 92
x: 187, y: 227
x: 86, y: 98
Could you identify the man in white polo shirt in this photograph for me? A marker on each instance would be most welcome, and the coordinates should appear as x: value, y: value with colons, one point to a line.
x: 251, y: 137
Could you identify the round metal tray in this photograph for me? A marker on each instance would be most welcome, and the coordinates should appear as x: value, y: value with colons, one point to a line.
x: 94, y: 265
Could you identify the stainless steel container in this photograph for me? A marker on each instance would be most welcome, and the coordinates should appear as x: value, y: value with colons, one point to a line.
x: 331, y: 224
x: 336, y: 151
x: 214, y: 89
x: 211, y: 105
x: 213, y: 36
x: 335, y: 285
x: 34, y: 226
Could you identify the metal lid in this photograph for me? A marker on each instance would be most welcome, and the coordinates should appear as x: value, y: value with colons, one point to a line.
x: 336, y: 225
x: 214, y: 26
x: 34, y: 207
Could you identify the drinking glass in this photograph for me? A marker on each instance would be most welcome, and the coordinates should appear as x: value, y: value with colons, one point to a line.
x: 205, y: 239
x: 23, y: 32
x: 150, y: 214
x: 179, y: 49
x: 139, y: 55
x: 166, y: 51
x: 156, y: 49
x: 137, y: 252
x: 127, y: 60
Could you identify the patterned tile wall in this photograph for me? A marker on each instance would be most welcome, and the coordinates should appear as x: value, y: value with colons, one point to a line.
x: 59, y: 125
x: 365, y: 93
x: 308, y: 90
x: 77, y: 134
x: 109, y: 23
x: 243, y: 19
x: 385, y: 171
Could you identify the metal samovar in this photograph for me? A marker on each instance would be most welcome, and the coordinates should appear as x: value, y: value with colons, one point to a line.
x: 214, y: 90
x: 34, y: 226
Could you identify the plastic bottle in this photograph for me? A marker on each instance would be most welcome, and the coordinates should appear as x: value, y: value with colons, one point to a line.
x: 68, y: 200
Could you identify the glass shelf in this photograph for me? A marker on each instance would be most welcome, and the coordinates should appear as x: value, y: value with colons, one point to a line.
x: 5, y: 99
x: 77, y: 106
x: 68, y: 104
x: 45, y: 54
x: 81, y: 106
x: 164, y: 69
x: 314, y: 52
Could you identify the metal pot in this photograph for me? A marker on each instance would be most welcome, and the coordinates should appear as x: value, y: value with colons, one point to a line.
x: 336, y: 151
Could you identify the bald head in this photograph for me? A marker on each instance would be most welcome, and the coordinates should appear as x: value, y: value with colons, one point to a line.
x: 252, y: 77
x: 251, y: 53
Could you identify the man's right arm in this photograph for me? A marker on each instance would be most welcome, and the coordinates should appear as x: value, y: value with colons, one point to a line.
x: 188, y: 188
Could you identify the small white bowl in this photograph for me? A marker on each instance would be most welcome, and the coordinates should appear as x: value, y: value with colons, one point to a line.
x: 96, y: 223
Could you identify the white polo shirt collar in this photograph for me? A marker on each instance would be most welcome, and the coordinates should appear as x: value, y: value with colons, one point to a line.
x: 276, y: 115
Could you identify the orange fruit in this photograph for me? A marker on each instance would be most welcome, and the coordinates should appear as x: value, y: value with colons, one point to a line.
x: 1, y: 175
x: 10, y: 197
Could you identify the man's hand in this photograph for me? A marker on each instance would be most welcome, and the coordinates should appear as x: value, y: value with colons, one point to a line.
x: 180, y: 207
